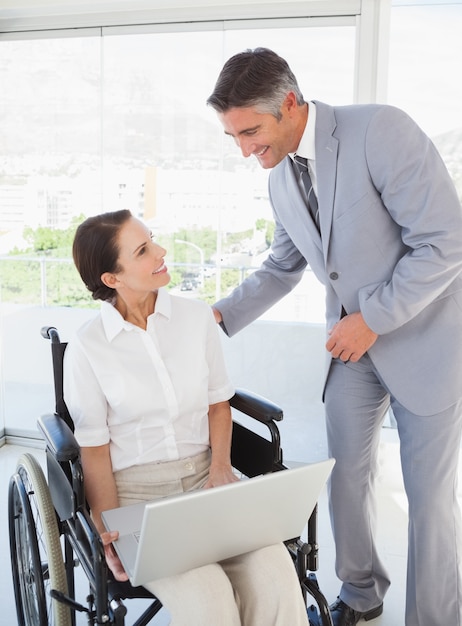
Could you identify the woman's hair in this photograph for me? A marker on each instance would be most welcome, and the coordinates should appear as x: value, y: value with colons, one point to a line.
x: 96, y: 250
x: 255, y: 78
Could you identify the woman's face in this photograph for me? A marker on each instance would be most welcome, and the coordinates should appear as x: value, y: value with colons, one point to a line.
x: 141, y: 260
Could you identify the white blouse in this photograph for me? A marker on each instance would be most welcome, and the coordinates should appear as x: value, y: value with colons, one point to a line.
x: 147, y: 392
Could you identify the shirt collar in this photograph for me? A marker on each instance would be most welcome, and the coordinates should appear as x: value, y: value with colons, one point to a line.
x: 114, y: 323
x: 306, y: 147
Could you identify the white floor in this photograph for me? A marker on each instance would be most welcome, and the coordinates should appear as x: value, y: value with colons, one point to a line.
x: 392, y: 536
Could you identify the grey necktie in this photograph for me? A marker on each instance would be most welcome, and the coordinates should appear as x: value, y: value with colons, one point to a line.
x: 302, y: 166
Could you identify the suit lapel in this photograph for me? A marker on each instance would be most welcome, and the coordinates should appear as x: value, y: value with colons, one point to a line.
x: 299, y: 209
x: 326, y: 169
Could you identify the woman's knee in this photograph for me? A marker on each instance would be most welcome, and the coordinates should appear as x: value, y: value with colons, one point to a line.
x: 267, y: 587
x: 200, y: 596
x: 260, y: 587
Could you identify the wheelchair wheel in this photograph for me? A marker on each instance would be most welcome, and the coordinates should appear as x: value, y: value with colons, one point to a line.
x: 35, y: 548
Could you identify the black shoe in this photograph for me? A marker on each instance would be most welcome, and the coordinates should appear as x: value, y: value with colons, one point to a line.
x: 344, y: 615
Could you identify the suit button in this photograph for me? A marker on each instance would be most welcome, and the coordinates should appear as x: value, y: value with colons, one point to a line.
x: 333, y: 275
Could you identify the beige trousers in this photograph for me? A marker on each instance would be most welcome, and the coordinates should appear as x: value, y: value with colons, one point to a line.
x: 260, y: 588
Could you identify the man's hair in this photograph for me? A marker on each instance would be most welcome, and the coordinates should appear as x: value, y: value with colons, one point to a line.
x: 96, y: 250
x: 256, y: 78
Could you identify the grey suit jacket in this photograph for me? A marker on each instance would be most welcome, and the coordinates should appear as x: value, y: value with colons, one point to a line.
x: 390, y: 247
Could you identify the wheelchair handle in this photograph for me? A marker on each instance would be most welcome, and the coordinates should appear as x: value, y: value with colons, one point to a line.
x: 51, y: 333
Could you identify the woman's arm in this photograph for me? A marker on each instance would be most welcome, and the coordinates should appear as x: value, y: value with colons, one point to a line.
x: 220, y: 428
x: 101, y: 494
x: 100, y: 487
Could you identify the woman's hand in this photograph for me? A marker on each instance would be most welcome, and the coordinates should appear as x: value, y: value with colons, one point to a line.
x: 220, y: 475
x: 112, y: 560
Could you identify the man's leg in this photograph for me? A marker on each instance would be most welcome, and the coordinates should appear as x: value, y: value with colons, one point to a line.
x: 430, y: 448
x: 356, y: 404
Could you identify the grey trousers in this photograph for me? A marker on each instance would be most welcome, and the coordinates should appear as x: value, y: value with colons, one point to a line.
x: 254, y: 589
x: 356, y: 403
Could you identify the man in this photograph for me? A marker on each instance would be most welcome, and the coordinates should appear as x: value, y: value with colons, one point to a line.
x: 380, y: 225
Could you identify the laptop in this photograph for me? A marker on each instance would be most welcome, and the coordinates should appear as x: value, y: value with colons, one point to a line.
x: 175, y: 534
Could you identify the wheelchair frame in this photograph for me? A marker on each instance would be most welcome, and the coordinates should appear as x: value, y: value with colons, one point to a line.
x: 51, y: 530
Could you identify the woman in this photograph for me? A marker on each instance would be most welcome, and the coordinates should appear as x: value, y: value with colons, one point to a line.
x: 146, y: 386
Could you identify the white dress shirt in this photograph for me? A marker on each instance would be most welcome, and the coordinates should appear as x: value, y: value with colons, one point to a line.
x: 147, y: 392
x: 306, y: 147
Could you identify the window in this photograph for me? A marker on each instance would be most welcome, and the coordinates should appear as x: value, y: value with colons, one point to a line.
x: 425, y: 54
x: 95, y: 123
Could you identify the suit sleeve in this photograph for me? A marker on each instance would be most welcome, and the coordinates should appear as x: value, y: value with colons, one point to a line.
x: 418, y: 193
x: 276, y: 277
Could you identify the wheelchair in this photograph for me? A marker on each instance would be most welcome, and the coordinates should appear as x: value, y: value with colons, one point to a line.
x: 51, y: 531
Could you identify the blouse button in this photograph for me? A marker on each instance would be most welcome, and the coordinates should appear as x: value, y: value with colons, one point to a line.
x: 333, y: 275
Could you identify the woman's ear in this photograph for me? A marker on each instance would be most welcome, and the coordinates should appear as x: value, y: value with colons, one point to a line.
x: 110, y: 280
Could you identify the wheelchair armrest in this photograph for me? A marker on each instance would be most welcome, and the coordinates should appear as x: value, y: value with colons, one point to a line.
x: 59, y: 437
x: 256, y: 406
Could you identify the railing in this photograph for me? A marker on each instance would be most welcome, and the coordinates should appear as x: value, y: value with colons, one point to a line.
x: 52, y: 281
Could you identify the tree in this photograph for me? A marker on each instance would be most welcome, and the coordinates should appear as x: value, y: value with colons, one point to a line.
x: 45, y: 239
x: 44, y: 272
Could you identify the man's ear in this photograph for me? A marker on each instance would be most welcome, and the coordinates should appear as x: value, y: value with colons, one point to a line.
x: 290, y: 101
x: 109, y: 279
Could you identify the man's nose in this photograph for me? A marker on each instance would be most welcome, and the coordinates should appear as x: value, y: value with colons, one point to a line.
x: 245, y: 146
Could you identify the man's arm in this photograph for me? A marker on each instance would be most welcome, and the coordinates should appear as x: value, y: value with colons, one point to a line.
x: 418, y: 193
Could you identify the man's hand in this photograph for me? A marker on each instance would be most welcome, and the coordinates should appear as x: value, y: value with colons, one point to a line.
x: 350, y: 338
x: 217, y: 315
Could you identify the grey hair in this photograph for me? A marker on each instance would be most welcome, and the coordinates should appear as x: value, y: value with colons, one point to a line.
x: 256, y: 78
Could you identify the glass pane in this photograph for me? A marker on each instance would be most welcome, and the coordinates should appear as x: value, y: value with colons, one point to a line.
x: 424, y: 76
x: 50, y: 172
x: 161, y: 150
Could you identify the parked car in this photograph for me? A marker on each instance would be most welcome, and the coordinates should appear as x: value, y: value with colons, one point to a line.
x: 187, y: 285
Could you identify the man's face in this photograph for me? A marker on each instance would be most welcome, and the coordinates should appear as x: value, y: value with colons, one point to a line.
x: 261, y: 134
